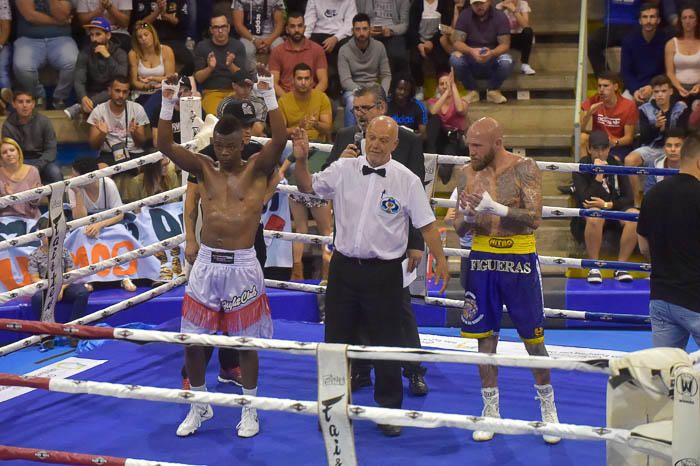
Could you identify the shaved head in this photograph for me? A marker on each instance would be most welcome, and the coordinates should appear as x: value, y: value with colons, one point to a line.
x: 381, y: 140
x: 385, y: 123
x: 485, y: 139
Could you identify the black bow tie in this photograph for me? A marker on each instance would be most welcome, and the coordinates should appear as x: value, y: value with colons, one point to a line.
x: 369, y: 170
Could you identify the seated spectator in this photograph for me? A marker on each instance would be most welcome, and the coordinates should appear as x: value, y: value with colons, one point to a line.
x: 612, y: 113
x: 98, y: 64
x: 656, y: 118
x: 682, y: 56
x: 117, y: 12
x: 621, y: 19
x: 242, y: 90
x: 671, y: 157
x: 260, y: 25
x: 186, y: 84
x: 447, y: 124
x: 219, y: 61
x: 329, y: 24
x: 170, y: 20
x: 447, y: 30
x: 389, y: 20
x: 35, y: 135
x: 118, y: 126
x: 481, y: 39
x: 15, y: 177
x: 521, y: 35
x: 403, y: 106
x: 361, y: 61
x: 294, y: 50
x: 426, y: 18
x: 643, y: 54
x: 98, y: 196
x: 604, y: 192
x: 44, y: 37
x: 5, y: 51
x: 149, y: 62
x: 76, y: 294
x: 307, y: 107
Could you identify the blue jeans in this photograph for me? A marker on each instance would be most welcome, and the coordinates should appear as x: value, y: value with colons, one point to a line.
x: 5, y: 56
x: 672, y: 325
x: 349, y: 115
x: 31, y: 54
x: 75, y: 293
x: 469, y: 70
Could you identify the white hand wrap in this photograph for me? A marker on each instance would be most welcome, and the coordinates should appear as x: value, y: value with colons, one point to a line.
x: 168, y: 103
x: 268, y: 95
x: 489, y: 206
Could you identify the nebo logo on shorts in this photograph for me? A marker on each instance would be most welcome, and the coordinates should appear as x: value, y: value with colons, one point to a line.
x: 501, y: 243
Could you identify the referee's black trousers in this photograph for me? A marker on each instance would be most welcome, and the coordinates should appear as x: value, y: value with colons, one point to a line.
x: 365, y: 297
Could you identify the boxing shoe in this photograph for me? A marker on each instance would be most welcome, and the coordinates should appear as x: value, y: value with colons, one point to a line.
x: 545, y: 393
x: 490, y: 397
x: 249, y: 425
x: 199, y: 413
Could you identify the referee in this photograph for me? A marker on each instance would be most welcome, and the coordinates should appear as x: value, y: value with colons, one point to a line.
x: 374, y: 198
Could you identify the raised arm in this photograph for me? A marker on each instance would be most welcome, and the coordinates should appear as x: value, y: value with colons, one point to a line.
x: 300, y: 143
x: 269, y: 156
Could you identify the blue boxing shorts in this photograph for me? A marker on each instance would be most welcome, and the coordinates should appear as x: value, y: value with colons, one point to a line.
x: 504, y: 271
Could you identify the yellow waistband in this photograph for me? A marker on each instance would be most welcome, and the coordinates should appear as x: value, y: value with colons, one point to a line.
x: 516, y: 244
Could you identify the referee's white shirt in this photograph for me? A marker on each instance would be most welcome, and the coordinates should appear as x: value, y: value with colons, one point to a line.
x: 372, y: 212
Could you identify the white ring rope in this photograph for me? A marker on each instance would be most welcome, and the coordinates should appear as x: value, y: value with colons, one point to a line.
x: 86, y: 271
x: 94, y: 218
x: 310, y: 408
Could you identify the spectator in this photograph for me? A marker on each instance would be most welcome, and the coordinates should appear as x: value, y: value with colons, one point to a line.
x: 620, y: 20
x: 44, y: 36
x: 389, y: 20
x: 117, y: 12
x: 683, y: 56
x: 149, y: 62
x: 15, y: 177
x: 481, y: 39
x: 307, y: 107
x: 5, y: 52
x: 329, y: 24
x: 446, y: 33
x: 403, y: 106
x: 656, y: 118
x: 447, y: 124
x: 521, y: 35
x: 118, y: 126
x: 170, y: 19
x: 98, y: 196
x: 76, y: 294
x: 35, y: 134
x: 612, y: 113
x: 260, y: 25
x: 361, y: 61
x: 604, y: 192
x: 297, y: 49
x: 643, y: 54
x: 671, y: 157
x: 219, y: 61
x: 669, y: 235
x: 242, y: 90
x: 426, y: 19
x: 98, y: 64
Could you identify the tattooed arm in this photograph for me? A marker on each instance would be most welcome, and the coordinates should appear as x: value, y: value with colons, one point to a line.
x: 528, y: 178
x: 459, y: 41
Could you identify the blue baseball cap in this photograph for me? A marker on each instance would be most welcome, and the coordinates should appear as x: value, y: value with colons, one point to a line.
x: 100, y: 23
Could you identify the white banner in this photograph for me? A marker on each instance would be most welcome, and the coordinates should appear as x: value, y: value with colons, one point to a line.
x: 150, y: 225
x: 276, y: 216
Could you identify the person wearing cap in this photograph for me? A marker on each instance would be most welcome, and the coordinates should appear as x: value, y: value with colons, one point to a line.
x: 481, y: 39
x: 241, y: 89
x: 604, y: 192
x: 98, y: 64
x: 117, y: 12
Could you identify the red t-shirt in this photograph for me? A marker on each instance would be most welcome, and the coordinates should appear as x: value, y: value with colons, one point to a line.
x: 283, y: 59
x: 613, y: 120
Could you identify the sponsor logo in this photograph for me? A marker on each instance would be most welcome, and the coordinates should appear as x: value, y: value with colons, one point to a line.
x: 42, y: 455
x: 539, y: 332
x: 687, y: 462
x: 687, y: 388
x: 494, y: 265
x: 470, y: 311
x: 501, y: 243
x: 330, y: 13
x: 334, y: 380
x: 601, y: 431
x: 99, y: 460
x: 240, y: 300
x: 389, y: 204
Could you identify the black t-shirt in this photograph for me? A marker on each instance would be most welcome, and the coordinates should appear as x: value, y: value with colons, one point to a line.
x: 166, y: 30
x: 410, y: 116
x: 670, y: 220
x: 153, y: 114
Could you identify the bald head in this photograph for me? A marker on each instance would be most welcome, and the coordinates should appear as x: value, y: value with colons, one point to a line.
x: 487, y: 127
x: 381, y: 140
x: 485, y: 140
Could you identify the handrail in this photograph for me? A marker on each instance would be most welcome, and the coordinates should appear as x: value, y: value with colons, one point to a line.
x: 581, y: 76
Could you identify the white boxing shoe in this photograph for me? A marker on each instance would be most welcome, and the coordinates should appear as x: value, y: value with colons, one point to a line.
x: 545, y: 393
x: 491, y: 409
x: 249, y: 425
x: 198, y: 413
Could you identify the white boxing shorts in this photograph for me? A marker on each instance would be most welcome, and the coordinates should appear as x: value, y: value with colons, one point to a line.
x: 226, y: 293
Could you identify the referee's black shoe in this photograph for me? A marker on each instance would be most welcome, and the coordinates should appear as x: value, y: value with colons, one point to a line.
x: 417, y: 385
x: 359, y: 380
x: 390, y: 431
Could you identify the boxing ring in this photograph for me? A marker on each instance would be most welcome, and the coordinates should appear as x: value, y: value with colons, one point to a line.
x: 301, y: 378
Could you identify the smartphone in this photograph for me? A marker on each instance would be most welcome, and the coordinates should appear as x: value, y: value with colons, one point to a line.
x: 442, y: 28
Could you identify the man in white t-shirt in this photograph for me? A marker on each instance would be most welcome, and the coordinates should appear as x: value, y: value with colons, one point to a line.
x: 118, y: 126
x: 117, y: 12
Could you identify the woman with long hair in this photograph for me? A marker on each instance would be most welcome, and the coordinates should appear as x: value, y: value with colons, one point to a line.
x: 149, y: 62
x: 682, y: 56
x: 16, y: 176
